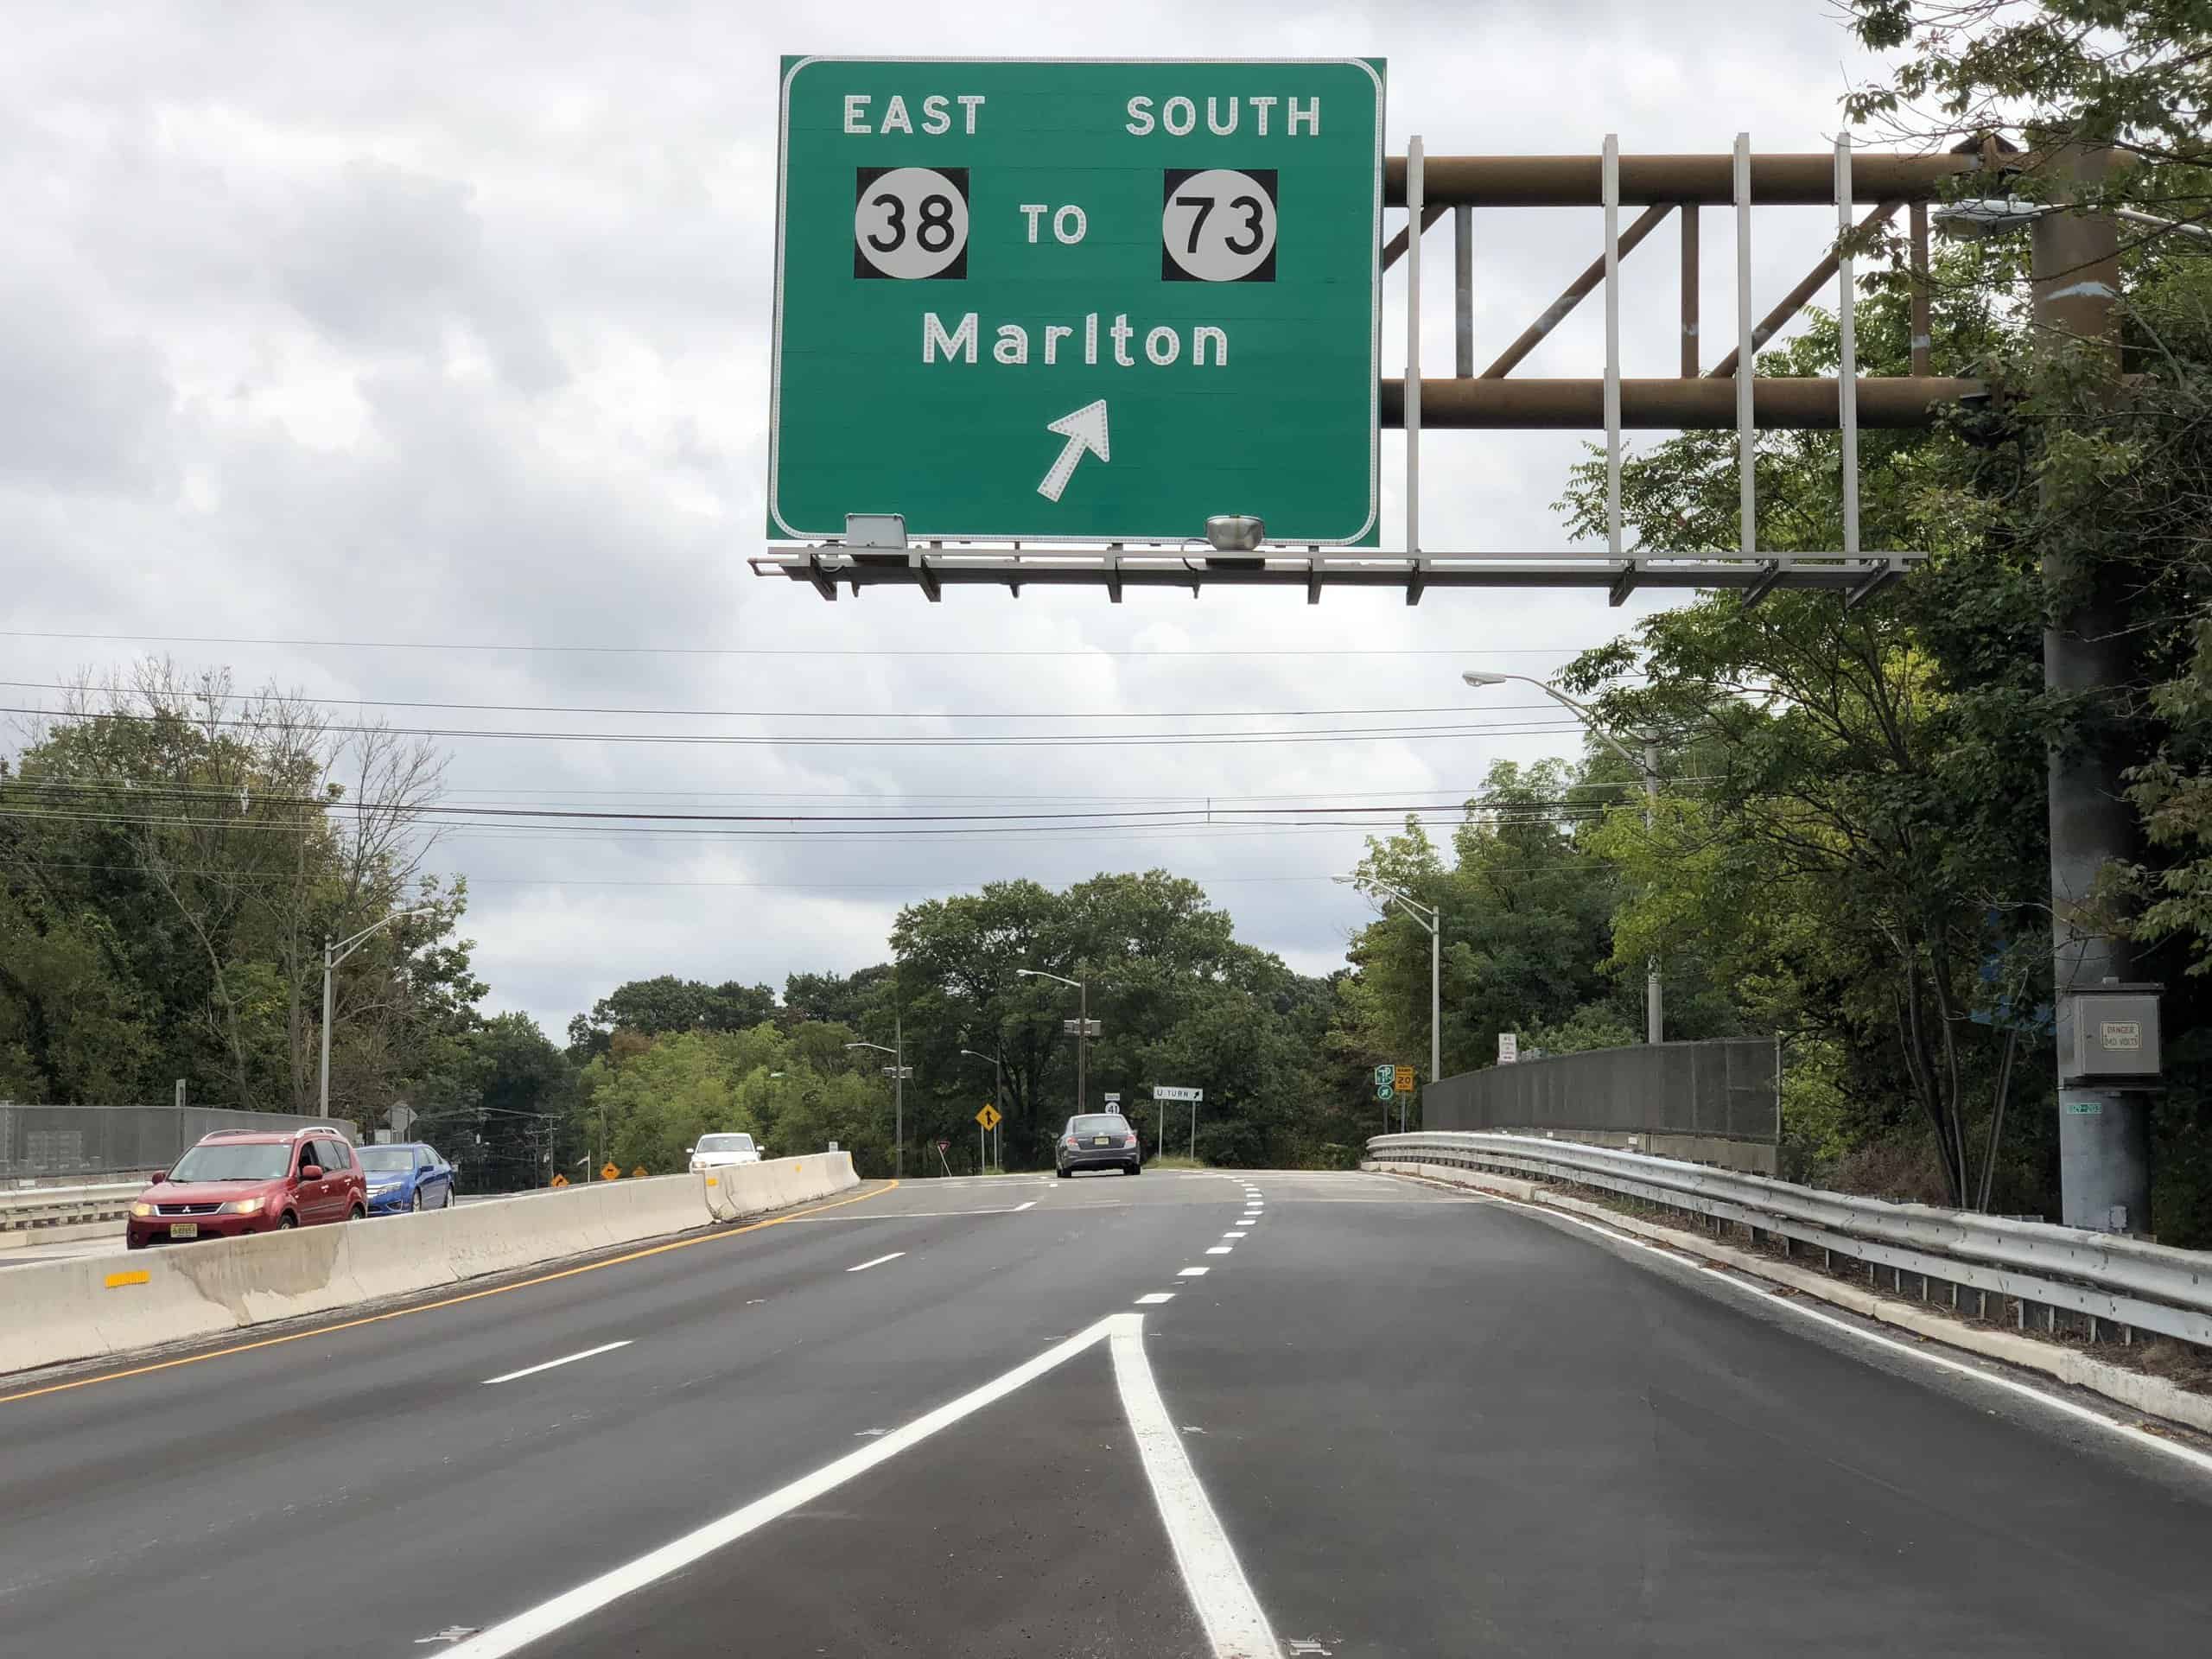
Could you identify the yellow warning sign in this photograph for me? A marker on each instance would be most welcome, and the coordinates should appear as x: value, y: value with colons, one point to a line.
x: 988, y: 1117
x: 560, y: 1180
x: 1402, y: 1078
x: 610, y: 1171
x: 638, y: 1174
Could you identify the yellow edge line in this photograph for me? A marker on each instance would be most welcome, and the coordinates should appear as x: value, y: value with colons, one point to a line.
x: 449, y: 1302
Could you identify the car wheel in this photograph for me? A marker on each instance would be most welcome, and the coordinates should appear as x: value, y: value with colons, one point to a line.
x: 415, y: 1203
x: 286, y: 1222
x: 356, y: 1213
x: 446, y: 1203
x: 1135, y: 1169
x: 1062, y: 1173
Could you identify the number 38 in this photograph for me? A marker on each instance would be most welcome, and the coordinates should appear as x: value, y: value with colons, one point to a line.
x: 1218, y: 226
x: 910, y: 223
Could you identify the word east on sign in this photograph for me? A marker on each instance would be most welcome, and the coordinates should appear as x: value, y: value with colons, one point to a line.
x: 1077, y: 300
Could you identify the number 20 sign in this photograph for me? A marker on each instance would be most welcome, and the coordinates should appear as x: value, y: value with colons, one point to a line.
x: 1080, y: 300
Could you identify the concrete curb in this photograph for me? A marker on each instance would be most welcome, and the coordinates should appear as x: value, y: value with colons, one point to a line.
x: 96, y: 1306
x: 2136, y: 1390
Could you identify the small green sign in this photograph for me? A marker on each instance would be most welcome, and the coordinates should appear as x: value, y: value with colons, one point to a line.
x: 1077, y: 300
x: 2085, y: 1108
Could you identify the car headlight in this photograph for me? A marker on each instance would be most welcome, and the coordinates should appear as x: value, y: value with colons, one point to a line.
x: 243, y: 1207
x: 142, y: 1210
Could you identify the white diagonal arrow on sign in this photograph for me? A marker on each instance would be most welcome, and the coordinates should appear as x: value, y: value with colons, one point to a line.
x: 1083, y: 430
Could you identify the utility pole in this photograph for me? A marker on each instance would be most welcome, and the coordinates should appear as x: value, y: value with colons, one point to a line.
x: 898, y: 1071
x: 1655, y: 1001
x: 2104, y: 1137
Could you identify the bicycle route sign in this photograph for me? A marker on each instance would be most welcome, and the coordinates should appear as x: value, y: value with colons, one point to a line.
x: 1078, y: 300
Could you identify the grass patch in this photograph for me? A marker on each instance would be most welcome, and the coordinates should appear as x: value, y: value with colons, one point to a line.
x: 1175, y: 1161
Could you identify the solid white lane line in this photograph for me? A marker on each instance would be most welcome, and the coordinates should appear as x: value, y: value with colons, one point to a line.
x: 878, y: 1263
x: 1194, y: 1272
x: 1236, y: 1627
x: 532, y: 1370
x: 590, y: 1597
x: 1019, y: 1208
x: 2127, y: 1431
x: 1220, y: 1249
x: 1155, y: 1298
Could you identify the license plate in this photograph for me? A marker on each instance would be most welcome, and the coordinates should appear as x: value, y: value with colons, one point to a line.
x: 1101, y: 1142
x: 184, y: 1229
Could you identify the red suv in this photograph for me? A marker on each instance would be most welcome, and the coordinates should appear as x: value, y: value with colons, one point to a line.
x: 238, y: 1181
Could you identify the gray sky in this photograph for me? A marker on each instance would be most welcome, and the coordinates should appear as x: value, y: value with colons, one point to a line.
x: 448, y: 327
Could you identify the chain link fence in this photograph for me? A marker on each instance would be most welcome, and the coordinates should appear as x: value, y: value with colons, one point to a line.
x: 42, y: 1143
x: 1730, y: 1087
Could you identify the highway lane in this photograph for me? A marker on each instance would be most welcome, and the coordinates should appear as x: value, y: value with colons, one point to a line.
x: 753, y: 1357
x: 1425, y: 1424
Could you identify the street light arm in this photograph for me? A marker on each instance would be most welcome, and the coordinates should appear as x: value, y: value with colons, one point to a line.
x: 1039, y: 973
x: 878, y: 1047
x: 346, y: 947
x: 1582, y: 711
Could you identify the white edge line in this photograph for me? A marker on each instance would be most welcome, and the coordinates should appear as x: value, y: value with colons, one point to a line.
x: 878, y: 1263
x: 532, y: 1370
x: 592, y: 1595
x: 2127, y: 1432
x: 1235, y: 1625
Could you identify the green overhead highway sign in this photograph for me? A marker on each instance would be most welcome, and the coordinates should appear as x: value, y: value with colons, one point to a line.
x: 1077, y: 300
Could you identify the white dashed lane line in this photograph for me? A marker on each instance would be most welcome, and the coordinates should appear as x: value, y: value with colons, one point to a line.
x: 1194, y: 1272
x: 532, y: 1370
x: 1153, y: 1298
x: 878, y: 1263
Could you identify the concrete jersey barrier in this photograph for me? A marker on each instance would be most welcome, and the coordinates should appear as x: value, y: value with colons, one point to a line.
x: 111, y: 1305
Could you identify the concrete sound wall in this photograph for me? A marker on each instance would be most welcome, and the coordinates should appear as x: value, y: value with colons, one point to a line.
x: 114, y: 1304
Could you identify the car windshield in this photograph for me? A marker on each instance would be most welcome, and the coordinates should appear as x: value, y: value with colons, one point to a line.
x: 725, y: 1143
x: 235, y: 1160
x: 386, y: 1157
x: 1099, y: 1123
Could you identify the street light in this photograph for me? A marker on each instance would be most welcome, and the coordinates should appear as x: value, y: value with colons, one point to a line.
x: 1655, y: 1021
x: 998, y: 1094
x: 333, y: 955
x: 1082, y: 1025
x: 1432, y: 918
x: 1973, y: 219
x: 898, y: 1071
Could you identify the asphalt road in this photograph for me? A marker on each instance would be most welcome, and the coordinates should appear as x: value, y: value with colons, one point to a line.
x: 1388, y: 1420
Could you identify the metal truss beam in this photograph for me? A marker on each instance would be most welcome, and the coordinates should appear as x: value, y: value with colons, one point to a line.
x: 1807, y: 181
x: 827, y: 566
x: 1702, y: 405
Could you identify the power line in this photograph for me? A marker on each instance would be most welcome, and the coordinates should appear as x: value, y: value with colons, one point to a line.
x: 782, y: 651
x: 796, y: 714
x: 1001, y: 740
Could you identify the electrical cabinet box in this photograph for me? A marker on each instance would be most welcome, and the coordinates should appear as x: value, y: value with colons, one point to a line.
x: 2116, y: 1034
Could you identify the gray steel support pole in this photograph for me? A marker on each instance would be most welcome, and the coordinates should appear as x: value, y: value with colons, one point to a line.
x: 2104, y: 1142
x: 322, y: 1094
x: 1082, y: 1046
x: 1435, y: 1003
x: 998, y: 1099
x: 1462, y: 291
x: 898, y: 1096
x: 1655, y: 1000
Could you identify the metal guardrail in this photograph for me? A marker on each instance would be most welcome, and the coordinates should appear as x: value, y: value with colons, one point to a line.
x: 35, y: 1207
x: 2104, y: 1277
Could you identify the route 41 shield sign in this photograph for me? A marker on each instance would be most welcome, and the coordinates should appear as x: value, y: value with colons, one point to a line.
x: 1077, y: 300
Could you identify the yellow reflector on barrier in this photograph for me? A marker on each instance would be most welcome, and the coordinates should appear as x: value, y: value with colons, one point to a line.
x: 117, y: 1279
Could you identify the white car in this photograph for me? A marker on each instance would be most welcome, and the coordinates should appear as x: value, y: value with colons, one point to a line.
x: 723, y: 1151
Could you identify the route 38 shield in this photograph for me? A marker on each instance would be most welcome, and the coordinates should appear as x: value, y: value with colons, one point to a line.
x: 1068, y: 300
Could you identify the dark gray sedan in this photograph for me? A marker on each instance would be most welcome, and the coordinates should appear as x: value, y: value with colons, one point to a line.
x: 1098, y: 1141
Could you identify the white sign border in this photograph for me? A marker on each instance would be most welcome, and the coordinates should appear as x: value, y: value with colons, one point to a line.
x: 1375, y: 302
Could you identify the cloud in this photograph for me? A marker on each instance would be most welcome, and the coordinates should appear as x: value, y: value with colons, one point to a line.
x: 446, y: 327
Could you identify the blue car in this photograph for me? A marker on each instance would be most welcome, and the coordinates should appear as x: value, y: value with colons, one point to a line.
x: 408, y: 1176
